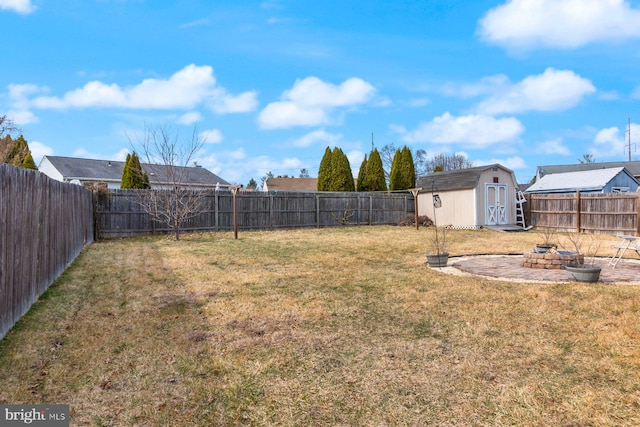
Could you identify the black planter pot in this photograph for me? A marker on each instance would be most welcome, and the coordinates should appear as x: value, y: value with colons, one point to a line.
x: 584, y: 273
x: 544, y: 248
x: 438, y: 260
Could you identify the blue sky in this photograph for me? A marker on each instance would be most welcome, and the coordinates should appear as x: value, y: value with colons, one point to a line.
x: 271, y: 84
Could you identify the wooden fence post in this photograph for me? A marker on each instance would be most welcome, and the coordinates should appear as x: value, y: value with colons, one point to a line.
x: 415, y: 192
x: 638, y: 212
x: 578, y: 213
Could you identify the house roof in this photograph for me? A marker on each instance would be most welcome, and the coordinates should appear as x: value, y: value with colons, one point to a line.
x: 460, y: 179
x: 292, y: 184
x: 111, y: 171
x: 632, y: 167
x: 587, y: 180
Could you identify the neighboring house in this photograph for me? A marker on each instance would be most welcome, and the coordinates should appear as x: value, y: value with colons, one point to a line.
x: 89, y: 171
x: 610, y: 180
x: 633, y: 167
x: 470, y: 198
x: 290, y: 184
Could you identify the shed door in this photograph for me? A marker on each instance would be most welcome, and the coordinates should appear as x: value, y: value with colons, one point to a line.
x: 496, y: 203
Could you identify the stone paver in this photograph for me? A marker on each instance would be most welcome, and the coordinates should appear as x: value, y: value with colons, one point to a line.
x: 509, y: 267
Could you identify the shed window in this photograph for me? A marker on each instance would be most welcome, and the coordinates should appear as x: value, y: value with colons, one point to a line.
x: 496, y: 180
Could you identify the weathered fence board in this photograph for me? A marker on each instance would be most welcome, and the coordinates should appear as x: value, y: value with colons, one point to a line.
x: 604, y: 213
x: 44, y: 224
x: 118, y: 214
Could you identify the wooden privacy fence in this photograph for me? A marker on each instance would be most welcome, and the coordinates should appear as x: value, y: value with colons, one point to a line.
x: 117, y: 214
x: 603, y: 213
x: 44, y: 224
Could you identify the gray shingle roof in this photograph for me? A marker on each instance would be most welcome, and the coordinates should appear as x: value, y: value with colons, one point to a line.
x: 586, y: 180
x: 633, y: 167
x: 461, y: 179
x: 110, y: 170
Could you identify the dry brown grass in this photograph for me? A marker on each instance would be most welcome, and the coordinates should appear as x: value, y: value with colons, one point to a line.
x: 340, y: 326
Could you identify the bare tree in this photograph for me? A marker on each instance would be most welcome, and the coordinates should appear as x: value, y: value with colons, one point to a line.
x: 171, y: 200
x: 587, y: 159
x: 7, y: 126
x: 389, y: 151
x: 447, y: 162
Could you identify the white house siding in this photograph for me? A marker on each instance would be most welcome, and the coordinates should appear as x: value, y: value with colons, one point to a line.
x: 48, y: 169
x: 458, y: 208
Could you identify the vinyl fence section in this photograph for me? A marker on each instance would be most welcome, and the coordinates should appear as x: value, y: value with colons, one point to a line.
x: 603, y: 213
x: 119, y: 215
x: 44, y: 224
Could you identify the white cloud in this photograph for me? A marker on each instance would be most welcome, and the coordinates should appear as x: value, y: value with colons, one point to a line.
x: 212, y: 136
x: 512, y: 163
x: 317, y: 136
x: 243, y: 103
x: 20, y: 6
x: 471, y: 130
x: 552, y: 90
x: 565, y: 24
x: 190, y: 118
x: 610, y: 142
x: 22, y: 117
x: 310, y: 101
x: 553, y: 146
x: 185, y: 89
x: 38, y: 150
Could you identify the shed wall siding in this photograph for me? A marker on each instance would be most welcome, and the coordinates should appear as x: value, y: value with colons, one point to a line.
x: 458, y: 207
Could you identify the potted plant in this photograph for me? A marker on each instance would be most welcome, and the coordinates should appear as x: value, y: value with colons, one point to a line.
x: 548, y: 236
x: 437, y: 254
x: 583, y: 272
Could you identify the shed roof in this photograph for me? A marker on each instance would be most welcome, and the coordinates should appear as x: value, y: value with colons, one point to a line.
x: 292, y: 184
x: 587, y: 180
x: 461, y: 179
x: 110, y: 170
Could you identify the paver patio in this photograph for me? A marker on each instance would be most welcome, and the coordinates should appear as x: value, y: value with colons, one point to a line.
x: 509, y: 267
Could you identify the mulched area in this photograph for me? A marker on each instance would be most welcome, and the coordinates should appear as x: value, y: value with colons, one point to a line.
x: 510, y: 267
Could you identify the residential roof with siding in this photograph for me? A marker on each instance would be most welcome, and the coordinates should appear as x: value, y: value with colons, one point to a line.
x: 111, y: 171
x: 632, y: 167
x: 461, y: 179
x: 587, y: 180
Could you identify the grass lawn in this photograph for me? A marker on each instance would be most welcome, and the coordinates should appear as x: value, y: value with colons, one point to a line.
x: 343, y: 326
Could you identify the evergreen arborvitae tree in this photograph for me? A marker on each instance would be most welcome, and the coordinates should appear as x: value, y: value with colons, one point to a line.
x: 132, y: 174
x: 324, y: 172
x: 139, y: 179
x: 125, y: 181
x: 408, y: 169
x: 362, y: 175
x: 28, y: 162
x: 374, y: 180
x: 16, y: 152
x: 395, y: 177
x: 341, y: 175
